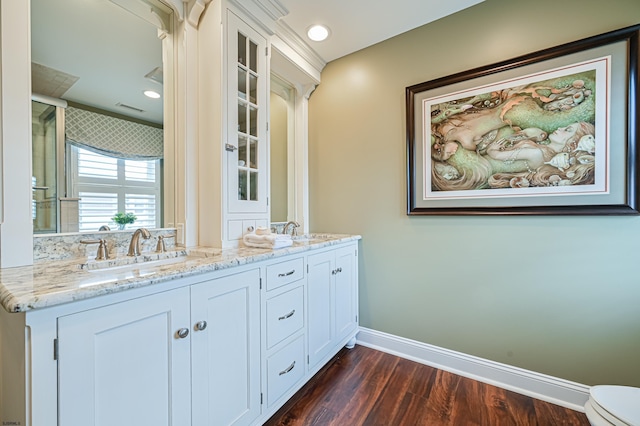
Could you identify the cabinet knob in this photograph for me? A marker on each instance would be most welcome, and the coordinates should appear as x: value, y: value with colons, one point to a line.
x: 182, y: 333
x: 201, y: 325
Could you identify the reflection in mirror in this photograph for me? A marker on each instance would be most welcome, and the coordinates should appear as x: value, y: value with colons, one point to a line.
x: 44, y: 207
x: 281, y: 136
x: 100, y: 58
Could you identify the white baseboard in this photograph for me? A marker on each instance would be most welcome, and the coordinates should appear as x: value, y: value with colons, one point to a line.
x: 540, y: 386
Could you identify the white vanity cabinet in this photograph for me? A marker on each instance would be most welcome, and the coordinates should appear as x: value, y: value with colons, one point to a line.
x: 284, y: 328
x: 120, y: 363
x: 190, y: 353
x: 228, y: 346
x: 332, y: 307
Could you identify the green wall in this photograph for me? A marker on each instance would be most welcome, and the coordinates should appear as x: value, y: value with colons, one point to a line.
x: 556, y: 295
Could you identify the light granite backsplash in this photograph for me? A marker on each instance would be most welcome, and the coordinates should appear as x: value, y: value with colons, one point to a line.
x: 50, y: 247
x: 277, y: 227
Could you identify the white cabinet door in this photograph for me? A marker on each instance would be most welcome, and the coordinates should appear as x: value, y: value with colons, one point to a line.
x: 320, y: 305
x: 332, y: 300
x: 246, y: 145
x: 124, y: 364
x: 346, y: 293
x: 226, y: 350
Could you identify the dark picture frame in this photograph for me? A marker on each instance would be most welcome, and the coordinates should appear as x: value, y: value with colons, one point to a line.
x: 502, y: 117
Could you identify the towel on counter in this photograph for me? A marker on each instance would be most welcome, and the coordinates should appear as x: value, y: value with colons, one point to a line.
x: 267, y: 240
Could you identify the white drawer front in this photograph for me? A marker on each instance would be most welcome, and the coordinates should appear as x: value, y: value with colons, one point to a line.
x: 284, y: 273
x: 284, y: 369
x: 285, y: 315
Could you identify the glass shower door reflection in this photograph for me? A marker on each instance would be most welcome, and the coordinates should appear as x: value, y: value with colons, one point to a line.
x: 44, y: 189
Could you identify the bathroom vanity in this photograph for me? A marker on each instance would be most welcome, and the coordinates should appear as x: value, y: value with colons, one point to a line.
x: 219, y: 337
x: 214, y: 336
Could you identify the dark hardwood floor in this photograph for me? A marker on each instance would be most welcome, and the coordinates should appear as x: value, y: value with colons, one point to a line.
x: 363, y: 386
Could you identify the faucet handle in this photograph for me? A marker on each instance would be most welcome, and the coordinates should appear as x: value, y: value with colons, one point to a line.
x: 101, y: 253
x: 161, y: 247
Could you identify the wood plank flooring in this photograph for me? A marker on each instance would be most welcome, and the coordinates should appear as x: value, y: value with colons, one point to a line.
x: 363, y: 386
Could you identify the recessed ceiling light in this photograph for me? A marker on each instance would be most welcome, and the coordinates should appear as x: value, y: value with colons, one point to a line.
x: 151, y: 94
x: 318, y: 32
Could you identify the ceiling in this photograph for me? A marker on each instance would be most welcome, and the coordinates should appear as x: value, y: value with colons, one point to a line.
x: 356, y: 24
x: 83, y: 50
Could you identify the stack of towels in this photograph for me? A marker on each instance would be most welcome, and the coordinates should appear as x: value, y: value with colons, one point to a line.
x: 264, y: 238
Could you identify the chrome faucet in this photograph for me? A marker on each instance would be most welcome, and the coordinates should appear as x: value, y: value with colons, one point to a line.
x: 134, y: 245
x: 296, y: 225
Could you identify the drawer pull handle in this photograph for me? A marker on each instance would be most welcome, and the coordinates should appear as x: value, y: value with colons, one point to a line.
x: 336, y: 271
x: 182, y: 333
x: 286, y: 370
x: 201, y: 325
x: 286, y: 274
x: 289, y: 315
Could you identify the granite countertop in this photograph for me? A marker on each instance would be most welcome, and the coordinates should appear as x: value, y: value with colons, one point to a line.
x: 53, y: 283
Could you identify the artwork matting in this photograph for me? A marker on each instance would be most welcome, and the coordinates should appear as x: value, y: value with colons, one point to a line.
x: 489, y: 141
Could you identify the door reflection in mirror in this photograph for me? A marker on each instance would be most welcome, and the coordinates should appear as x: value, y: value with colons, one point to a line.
x: 44, y: 207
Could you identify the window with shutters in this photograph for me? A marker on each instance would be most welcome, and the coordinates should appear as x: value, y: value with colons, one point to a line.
x: 108, y: 185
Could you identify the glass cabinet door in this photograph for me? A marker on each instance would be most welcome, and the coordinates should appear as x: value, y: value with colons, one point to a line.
x: 247, y: 159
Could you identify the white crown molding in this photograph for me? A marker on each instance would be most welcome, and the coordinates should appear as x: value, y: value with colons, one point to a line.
x: 272, y: 8
x: 536, y: 385
x: 298, y: 45
x: 264, y: 13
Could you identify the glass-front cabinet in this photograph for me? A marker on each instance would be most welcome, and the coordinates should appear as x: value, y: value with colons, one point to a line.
x: 248, y: 115
x: 233, y: 152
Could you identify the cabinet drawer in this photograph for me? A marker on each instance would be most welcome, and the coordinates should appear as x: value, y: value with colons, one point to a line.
x: 285, y: 315
x: 284, y: 369
x: 284, y: 273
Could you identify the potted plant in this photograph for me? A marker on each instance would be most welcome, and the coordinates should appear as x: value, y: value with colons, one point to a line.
x: 123, y: 219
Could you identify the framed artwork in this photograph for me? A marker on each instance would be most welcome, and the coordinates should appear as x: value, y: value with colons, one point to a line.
x: 553, y: 132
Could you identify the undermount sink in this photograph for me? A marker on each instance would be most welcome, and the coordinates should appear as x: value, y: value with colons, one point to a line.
x: 139, y: 263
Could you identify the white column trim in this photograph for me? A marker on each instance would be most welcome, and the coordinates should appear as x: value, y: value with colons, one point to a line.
x: 16, y: 228
x: 551, y: 389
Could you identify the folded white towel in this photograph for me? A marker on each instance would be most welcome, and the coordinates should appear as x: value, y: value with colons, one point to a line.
x: 261, y: 230
x: 269, y: 241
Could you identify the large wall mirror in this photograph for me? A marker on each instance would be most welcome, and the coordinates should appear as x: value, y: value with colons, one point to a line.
x: 291, y: 86
x: 98, y: 141
x: 281, y: 140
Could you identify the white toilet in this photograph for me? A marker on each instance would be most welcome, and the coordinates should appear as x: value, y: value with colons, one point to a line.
x: 613, y: 405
